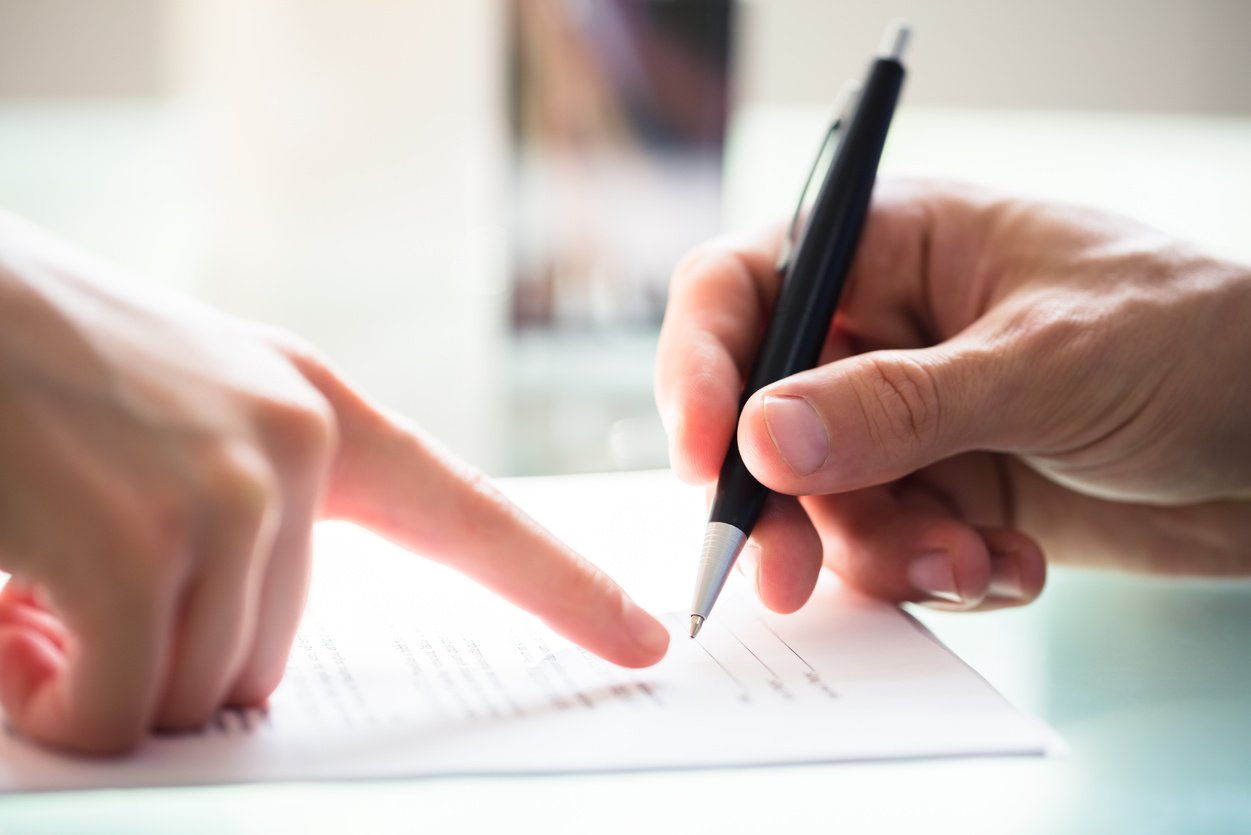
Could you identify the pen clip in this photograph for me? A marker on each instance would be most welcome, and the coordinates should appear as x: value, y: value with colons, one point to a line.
x: 843, y: 106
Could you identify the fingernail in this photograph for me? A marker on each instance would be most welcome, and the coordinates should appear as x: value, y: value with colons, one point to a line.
x: 932, y: 575
x: 648, y: 633
x: 1005, y: 578
x: 798, y: 433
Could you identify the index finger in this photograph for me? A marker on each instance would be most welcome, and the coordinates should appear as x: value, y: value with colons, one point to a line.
x: 718, y: 300
x: 399, y: 482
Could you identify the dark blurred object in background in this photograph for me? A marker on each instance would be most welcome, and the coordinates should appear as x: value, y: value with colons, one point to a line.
x: 618, y: 113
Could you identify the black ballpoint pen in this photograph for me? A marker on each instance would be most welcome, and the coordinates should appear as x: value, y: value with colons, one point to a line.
x: 813, y: 271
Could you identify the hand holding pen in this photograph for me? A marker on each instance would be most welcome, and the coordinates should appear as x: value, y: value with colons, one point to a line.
x: 812, y: 268
x: 1004, y: 379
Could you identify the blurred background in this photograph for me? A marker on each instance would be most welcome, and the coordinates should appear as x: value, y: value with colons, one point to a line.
x: 473, y: 207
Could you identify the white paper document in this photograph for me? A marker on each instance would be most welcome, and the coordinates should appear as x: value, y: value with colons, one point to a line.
x: 402, y: 668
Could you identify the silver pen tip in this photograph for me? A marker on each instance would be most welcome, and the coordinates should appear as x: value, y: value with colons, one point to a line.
x: 696, y: 623
x: 895, y: 40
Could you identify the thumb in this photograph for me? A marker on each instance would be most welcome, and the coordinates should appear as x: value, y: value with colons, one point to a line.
x: 871, y: 419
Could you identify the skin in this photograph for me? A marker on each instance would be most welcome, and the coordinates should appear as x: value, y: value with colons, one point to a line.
x: 161, y: 467
x: 1007, y: 382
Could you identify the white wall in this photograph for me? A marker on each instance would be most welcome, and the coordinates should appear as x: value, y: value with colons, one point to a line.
x: 337, y: 166
x: 1155, y: 55
x: 353, y: 171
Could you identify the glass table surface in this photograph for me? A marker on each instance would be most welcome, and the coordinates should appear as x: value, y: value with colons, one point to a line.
x: 1147, y: 680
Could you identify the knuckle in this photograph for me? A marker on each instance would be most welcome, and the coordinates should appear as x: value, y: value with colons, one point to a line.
x: 305, y: 433
x: 236, y: 483
x: 290, y: 345
x: 899, y: 399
